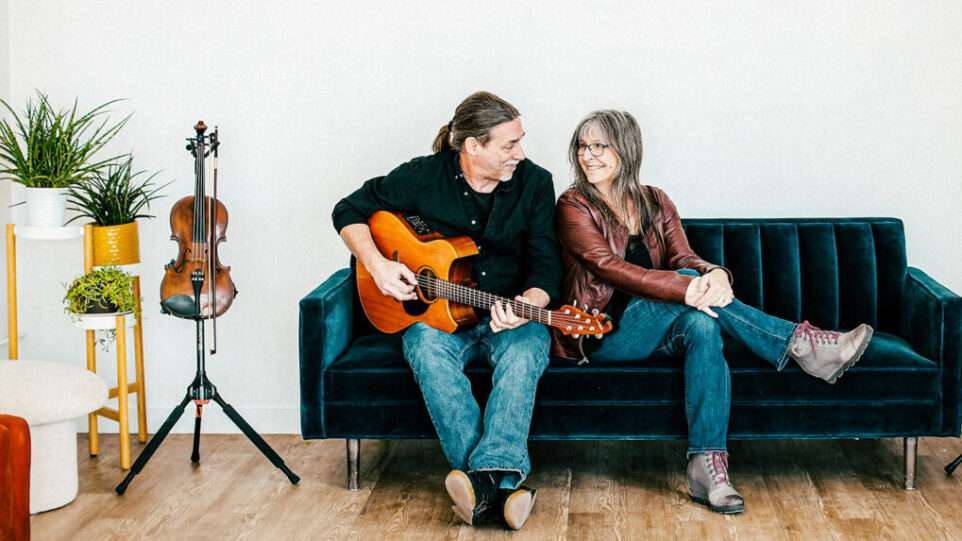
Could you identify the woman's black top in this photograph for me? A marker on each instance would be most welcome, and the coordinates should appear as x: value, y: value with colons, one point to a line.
x: 637, y: 254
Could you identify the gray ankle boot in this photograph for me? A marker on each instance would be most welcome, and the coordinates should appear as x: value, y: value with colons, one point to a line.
x: 828, y: 354
x: 708, y: 483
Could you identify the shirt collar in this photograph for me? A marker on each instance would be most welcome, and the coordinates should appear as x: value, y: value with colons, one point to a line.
x: 503, y: 186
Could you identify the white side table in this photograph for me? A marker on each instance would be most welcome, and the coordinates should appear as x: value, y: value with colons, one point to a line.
x: 50, y: 396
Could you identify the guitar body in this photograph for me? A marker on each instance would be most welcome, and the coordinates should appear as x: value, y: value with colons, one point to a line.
x: 408, y: 239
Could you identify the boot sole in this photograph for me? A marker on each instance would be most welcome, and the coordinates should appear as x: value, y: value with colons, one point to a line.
x: 517, y: 508
x: 461, y: 491
x: 730, y: 510
x: 851, y: 362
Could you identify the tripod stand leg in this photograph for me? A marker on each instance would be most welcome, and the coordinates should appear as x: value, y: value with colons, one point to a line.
x: 153, y: 444
x: 255, y: 438
x: 955, y: 464
x: 195, y: 454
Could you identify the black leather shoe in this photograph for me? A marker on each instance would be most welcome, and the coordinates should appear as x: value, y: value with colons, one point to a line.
x: 473, y: 493
x: 514, y: 505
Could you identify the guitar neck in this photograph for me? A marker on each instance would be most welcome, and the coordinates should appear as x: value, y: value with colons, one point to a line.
x: 479, y: 299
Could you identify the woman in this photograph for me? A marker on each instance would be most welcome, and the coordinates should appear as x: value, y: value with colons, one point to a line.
x: 624, y: 249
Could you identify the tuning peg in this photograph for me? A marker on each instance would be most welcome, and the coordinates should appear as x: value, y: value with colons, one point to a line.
x: 598, y: 336
x: 585, y: 308
x: 594, y: 311
x: 576, y: 336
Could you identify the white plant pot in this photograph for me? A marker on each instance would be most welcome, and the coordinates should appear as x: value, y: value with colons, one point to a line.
x: 46, y: 207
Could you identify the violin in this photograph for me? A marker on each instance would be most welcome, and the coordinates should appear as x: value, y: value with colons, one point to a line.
x: 198, y: 223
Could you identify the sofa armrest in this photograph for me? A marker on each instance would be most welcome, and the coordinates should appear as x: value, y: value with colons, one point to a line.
x: 325, y: 332
x: 932, y: 323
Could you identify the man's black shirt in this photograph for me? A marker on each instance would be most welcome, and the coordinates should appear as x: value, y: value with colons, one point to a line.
x: 518, y: 247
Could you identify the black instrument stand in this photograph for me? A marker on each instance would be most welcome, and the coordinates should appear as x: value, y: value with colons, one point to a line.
x: 202, y: 391
x: 955, y: 464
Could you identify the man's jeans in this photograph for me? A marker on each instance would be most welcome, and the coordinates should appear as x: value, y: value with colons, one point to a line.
x: 650, y: 328
x: 500, y: 441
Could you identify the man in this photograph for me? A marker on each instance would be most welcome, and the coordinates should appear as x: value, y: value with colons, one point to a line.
x: 477, y: 184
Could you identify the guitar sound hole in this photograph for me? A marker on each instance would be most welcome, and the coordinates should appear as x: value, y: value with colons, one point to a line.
x: 428, y: 287
x: 415, y: 308
x: 427, y: 293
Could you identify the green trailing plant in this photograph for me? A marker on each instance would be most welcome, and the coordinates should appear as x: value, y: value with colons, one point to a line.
x: 112, y: 196
x: 105, y: 286
x: 46, y: 148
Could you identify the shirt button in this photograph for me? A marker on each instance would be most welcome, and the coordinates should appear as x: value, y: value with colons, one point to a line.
x: 483, y: 273
x: 474, y: 222
x: 479, y: 247
x: 465, y: 194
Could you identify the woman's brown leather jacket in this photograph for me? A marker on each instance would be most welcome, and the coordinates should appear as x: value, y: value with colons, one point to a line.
x: 593, y: 258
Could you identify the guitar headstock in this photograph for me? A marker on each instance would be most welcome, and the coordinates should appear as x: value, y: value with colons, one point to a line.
x: 571, y: 320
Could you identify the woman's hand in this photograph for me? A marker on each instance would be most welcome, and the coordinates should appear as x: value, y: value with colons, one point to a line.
x: 719, y: 289
x: 710, y: 290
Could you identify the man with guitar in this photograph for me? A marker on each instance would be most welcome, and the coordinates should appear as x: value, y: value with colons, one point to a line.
x: 477, y: 184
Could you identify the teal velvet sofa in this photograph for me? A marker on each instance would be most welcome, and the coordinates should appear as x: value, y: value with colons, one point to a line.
x: 835, y: 273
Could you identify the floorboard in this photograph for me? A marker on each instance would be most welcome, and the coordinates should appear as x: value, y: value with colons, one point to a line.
x: 794, y: 489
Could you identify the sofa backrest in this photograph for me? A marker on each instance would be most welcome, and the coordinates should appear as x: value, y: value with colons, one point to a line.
x: 834, y: 272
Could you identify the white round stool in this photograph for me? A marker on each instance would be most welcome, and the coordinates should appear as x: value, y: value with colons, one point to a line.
x: 50, y: 396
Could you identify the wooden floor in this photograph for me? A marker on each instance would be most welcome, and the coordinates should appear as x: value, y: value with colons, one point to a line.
x: 797, y: 489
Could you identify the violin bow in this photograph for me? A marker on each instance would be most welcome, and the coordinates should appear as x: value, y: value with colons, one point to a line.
x: 213, y: 248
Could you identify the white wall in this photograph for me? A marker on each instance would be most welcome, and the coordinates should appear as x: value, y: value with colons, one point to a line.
x: 764, y: 109
x: 4, y: 49
x: 5, y: 95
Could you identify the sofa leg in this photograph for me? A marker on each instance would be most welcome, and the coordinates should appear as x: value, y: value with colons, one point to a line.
x: 910, y: 449
x: 353, y: 464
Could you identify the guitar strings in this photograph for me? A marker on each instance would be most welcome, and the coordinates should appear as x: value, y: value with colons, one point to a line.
x: 436, y: 287
x: 466, y: 295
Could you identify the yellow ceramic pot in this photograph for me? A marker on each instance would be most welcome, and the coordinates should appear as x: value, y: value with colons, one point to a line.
x: 116, y: 245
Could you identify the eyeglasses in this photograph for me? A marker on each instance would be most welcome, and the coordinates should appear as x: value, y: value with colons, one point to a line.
x: 596, y: 149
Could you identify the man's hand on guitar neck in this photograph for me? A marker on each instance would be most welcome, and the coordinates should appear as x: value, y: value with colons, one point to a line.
x: 503, y: 317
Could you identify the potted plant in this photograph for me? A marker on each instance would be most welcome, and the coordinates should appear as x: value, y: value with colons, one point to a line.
x: 48, y: 151
x: 114, y: 199
x: 107, y: 290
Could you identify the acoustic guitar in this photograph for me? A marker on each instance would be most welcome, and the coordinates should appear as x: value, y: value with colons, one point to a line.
x: 445, y: 292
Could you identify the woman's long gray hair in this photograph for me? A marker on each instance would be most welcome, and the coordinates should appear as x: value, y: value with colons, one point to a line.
x: 621, y: 132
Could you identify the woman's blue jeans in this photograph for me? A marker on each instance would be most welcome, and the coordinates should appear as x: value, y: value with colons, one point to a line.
x: 500, y: 440
x: 650, y: 328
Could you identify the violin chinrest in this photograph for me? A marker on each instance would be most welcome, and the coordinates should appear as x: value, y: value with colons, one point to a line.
x: 180, y: 306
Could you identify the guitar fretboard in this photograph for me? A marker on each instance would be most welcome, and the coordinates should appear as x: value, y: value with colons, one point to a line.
x: 435, y: 287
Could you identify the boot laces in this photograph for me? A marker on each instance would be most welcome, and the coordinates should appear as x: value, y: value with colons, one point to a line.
x: 816, y: 335
x: 718, y: 466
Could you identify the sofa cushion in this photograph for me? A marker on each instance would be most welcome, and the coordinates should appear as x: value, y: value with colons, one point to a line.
x: 373, y: 375
x: 373, y: 368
